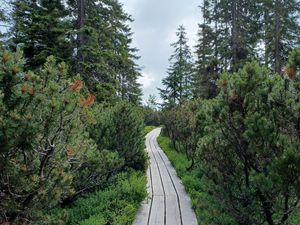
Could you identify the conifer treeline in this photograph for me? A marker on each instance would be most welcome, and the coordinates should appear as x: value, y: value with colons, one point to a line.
x: 236, y: 31
x: 231, y: 33
x: 92, y: 37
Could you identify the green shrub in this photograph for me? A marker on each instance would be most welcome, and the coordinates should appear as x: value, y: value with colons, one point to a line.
x: 249, y: 145
x: 117, y: 204
x: 46, y: 154
x: 180, y: 125
x: 120, y: 129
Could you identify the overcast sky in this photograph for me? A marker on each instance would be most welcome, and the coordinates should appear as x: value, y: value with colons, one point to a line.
x: 154, y: 27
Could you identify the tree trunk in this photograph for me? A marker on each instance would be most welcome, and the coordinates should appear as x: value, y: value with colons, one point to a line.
x: 80, y: 36
x: 266, y: 205
x: 278, y: 61
x: 234, y: 34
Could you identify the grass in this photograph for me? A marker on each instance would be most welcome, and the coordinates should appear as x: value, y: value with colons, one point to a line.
x: 147, y: 129
x: 116, y: 205
x: 208, y: 211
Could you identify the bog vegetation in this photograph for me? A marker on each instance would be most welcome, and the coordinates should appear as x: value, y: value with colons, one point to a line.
x: 72, y: 122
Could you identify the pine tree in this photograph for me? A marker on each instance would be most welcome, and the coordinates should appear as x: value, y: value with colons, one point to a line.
x: 178, y: 83
x: 46, y: 152
x: 41, y: 28
x: 152, y: 102
x: 249, y: 144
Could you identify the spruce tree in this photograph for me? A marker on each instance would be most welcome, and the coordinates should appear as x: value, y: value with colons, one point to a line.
x: 235, y: 31
x: 104, y: 55
x: 41, y: 28
x: 178, y: 83
x: 229, y: 35
x: 281, y: 31
x: 206, y: 65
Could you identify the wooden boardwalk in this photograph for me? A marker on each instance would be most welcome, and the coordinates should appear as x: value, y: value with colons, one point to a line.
x: 168, y: 203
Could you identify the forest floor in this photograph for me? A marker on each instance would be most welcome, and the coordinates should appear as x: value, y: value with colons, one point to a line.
x: 168, y: 203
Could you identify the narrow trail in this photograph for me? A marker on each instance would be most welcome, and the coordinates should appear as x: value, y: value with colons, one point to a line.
x: 168, y: 203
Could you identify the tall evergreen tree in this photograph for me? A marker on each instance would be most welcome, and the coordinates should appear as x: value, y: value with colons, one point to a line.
x: 104, y: 55
x: 206, y: 65
x: 281, y: 31
x: 178, y: 83
x: 231, y: 33
x: 41, y: 27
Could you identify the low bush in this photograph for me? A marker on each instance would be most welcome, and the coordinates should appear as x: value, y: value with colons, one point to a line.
x: 46, y: 154
x: 249, y: 145
x: 120, y: 129
x: 57, y: 142
x: 116, y: 204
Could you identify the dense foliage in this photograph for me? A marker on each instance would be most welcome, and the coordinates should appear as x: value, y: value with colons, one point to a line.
x: 233, y: 32
x: 72, y: 125
x: 123, y: 123
x: 116, y: 204
x: 68, y: 91
x: 92, y: 37
x: 243, y: 131
x: 47, y: 154
x: 248, y: 142
x: 181, y: 127
x: 249, y: 146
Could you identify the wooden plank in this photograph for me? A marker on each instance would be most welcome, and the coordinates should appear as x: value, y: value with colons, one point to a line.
x: 156, y: 182
x: 167, y: 189
x: 143, y: 214
x: 172, y: 210
x: 149, y: 182
x: 157, y: 211
x: 167, y: 182
x: 168, y: 185
x: 187, y: 213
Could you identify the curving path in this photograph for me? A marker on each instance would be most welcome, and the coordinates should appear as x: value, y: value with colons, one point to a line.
x: 168, y: 203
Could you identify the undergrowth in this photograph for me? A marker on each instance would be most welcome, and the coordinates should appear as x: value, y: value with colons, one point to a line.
x: 116, y: 205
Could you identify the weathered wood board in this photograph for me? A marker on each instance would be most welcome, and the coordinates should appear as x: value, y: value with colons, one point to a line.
x: 168, y: 203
